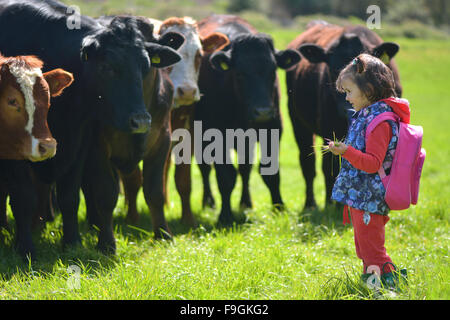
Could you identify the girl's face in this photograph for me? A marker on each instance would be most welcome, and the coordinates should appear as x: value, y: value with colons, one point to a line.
x: 354, y: 95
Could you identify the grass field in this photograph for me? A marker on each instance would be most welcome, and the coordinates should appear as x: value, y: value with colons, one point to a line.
x: 290, y: 255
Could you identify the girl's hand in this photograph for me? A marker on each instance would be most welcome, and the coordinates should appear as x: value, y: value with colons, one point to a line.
x: 337, y: 148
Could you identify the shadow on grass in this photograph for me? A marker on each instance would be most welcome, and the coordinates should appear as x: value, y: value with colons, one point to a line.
x: 329, y: 217
x: 50, y: 253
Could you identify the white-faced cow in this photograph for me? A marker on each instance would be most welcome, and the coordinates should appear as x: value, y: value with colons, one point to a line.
x: 126, y: 151
x: 315, y: 106
x: 24, y: 135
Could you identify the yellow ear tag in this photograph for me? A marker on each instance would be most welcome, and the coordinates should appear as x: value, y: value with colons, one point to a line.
x: 156, y: 59
x: 288, y: 61
x: 85, y: 57
x: 385, y: 58
x: 224, y: 66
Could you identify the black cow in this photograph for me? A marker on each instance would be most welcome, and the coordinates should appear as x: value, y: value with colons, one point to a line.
x: 315, y: 106
x: 125, y: 150
x: 240, y: 91
x: 109, y: 64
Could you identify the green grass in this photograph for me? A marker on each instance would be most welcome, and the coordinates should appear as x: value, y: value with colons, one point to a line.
x: 290, y: 255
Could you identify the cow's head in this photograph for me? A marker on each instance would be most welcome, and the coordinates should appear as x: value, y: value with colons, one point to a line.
x: 24, y: 103
x: 252, y: 63
x: 184, y: 75
x: 340, y: 52
x: 116, y: 60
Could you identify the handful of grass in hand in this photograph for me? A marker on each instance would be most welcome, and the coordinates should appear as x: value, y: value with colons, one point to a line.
x: 326, y: 148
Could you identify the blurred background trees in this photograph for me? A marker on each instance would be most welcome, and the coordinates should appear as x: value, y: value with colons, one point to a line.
x: 436, y: 12
x: 426, y: 19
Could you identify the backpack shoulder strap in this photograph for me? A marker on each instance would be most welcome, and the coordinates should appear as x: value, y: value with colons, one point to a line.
x: 379, y: 119
x: 374, y: 123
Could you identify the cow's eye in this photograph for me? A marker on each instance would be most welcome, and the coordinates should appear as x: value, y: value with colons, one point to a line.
x: 13, y: 102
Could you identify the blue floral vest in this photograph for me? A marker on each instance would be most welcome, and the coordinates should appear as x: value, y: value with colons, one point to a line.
x: 356, y: 188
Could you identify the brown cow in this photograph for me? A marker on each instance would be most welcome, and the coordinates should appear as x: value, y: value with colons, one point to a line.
x: 184, y: 76
x: 315, y: 107
x: 24, y: 135
x: 24, y: 102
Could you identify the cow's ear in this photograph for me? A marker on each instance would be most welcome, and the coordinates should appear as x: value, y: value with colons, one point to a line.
x: 213, y: 42
x: 287, y: 58
x: 162, y: 56
x: 386, y: 51
x: 58, y: 80
x: 313, y: 53
x: 172, y: 39
x: 221, y: 60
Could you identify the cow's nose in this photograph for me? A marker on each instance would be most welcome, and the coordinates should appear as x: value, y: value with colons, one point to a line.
x: 140, y: 122
x: 187, y: 93
x: 263, y: 114
x: 47, y: 148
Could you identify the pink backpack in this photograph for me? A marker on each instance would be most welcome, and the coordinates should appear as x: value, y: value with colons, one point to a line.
x: 402, y: 184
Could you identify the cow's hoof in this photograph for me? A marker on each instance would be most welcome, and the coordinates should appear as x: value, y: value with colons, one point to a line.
x: 132, y: 218
x: 245, y: 203
x: 189, y: 220
x: 279, y: 207
x: 26, y: 252
x: 72, y: 242
x: 107, y: 247
x: 208, y: 202
x: 5, y: 225
x: 310, y: 206
x: 163, y: 234
x: 225, y: 220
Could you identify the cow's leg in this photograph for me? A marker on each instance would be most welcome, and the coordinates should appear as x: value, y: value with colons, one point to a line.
x: 183, y: 185
x: 330, y: 163
x: 104, y: 188
x: 89, y: 200
x: 68, y: 195
x: 208, y: 199
x: 3, y: 210
x: 245, y: 168
x: 244, y: 171
x: 44, y: 209
x: 330, y: 168
x: 131, y: 184
x: 154, y: 187
x: 270, y: 172
x: 23, y: 201
x: 226, y: 180
x: 307, y: 158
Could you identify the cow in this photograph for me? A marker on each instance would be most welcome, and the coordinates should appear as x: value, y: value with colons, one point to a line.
x: 315, y: 106
x: 240, y: 91
x: 184, y: 76
x: 24, y: 135
x: 126, y: 151
x: 109, y: 63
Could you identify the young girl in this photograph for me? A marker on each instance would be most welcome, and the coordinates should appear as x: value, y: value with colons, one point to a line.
x: 370, y: 88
